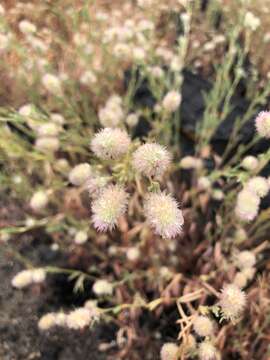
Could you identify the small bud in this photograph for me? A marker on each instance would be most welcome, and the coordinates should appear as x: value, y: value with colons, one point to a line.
x: 250, y: 163
x: 81, y: 237
x: 39, y: 200
x: 169, y: 351
x: 47, y: 321
x: 133, y: 253
x: 102, y: 287
x: 79, y: 174
x: 171, y: 101
x: 190, y: 162
x: 27, y: 277
x: 203, y: 326
x: 49, y: 129
x: 47, y: 144
x: 26, y: 27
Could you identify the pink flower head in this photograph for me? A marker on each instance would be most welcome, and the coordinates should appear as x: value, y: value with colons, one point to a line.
x: 163, y: 214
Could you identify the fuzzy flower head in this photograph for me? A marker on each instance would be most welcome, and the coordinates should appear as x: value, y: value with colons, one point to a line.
x: 171, y: 101
x: 169, y: 351
x: 79, y: 174
x: 110, y: 143
x: 95, y: 183
x: 203, y: 326
x: 108, y: 207
x: 262, y: 123
x: 151, y: 160
x: 247, y: 205
x: 232, y: 302
x: 47, y: 321
x: 258, y: 185
x: 163, y: 214
x: 245, y: 259
x: 78, y: 318
x: 207, y: 351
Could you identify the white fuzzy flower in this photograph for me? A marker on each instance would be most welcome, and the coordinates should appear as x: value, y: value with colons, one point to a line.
x: 262, y: 123
x: 247, y: 205
x: 251, y: 21
x: 78, y: 318
x: 151, y: 160
x: 207, y: 351
x: 245, y: 259
x: 163, y: 214
x: 232, y: 302
x: 47, y: 321
x: 203, y: 326
x: 110, y: 143
x: 169, y: 351
x: 108, y: 207
x: 258, y: 185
